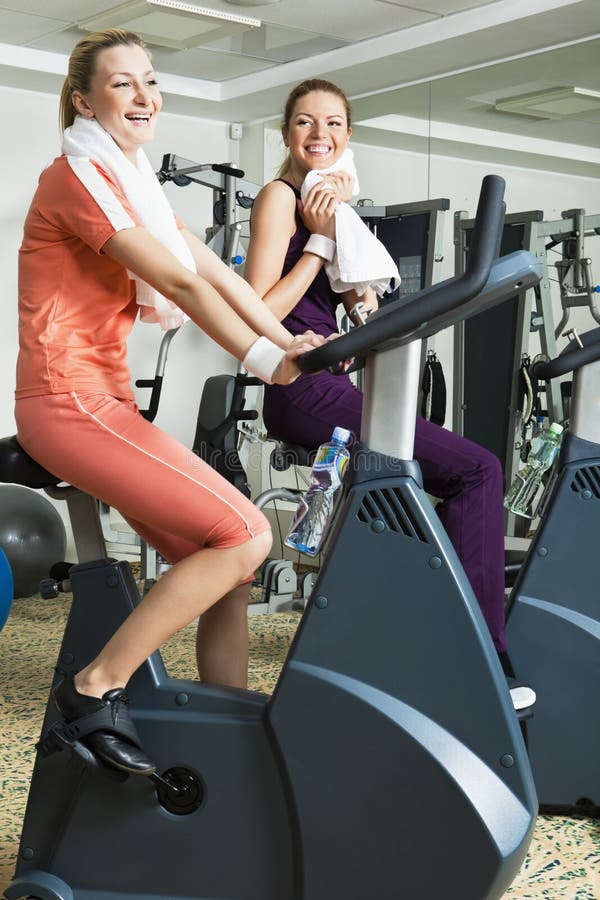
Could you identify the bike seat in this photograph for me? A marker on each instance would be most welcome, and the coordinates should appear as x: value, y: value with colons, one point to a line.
x: 17, y: 467
x: 285, y: 455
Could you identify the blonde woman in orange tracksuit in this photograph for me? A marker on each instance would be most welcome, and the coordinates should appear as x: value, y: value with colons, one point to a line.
x: 95, y: 242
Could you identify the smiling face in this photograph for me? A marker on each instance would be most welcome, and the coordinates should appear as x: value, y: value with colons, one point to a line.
x: 123, y: 97
x: 317, y: 133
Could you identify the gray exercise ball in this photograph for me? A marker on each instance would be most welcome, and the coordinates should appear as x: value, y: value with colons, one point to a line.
x: 32, y: 535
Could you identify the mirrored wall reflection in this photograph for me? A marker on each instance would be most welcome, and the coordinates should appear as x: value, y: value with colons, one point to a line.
x: 396, y: 164
x: 536, y: 122
x: 540, y: 112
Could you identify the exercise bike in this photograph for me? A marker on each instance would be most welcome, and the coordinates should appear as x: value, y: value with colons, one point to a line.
x: 553, y: 624
x: 389, y: 761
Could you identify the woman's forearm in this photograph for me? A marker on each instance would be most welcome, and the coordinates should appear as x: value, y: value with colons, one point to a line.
x: 368, y: 301
x: 141, y: 253
x: 205, y: 306
x: 284, y: 296
x: 260, y: 316
x: 237, y: 292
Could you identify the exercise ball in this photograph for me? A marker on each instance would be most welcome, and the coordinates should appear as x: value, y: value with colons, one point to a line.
x: 32, y: 536
x: 6, y: 589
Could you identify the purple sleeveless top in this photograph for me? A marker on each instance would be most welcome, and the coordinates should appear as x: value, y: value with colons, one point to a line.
x: 302, y: 412
x: 316, y: 309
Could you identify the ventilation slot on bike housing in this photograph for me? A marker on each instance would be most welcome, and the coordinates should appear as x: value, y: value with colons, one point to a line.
x: 587, y: 479
x: 388, y: 507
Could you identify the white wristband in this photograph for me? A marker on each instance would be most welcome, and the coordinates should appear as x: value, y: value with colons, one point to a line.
x: 321, y: 246
x: 262, y: 359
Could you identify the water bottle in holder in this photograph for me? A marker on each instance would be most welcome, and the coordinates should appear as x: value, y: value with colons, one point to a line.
x: 524, y: 489
x: 315, y: 509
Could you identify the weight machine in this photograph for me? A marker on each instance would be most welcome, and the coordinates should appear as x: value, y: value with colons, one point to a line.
x: 491, y: 348
x: 412, y: 233
x: 230, y: 190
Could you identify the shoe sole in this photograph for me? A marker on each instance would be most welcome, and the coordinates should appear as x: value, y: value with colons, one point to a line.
x: 522, y: 698
x: 115, y: 765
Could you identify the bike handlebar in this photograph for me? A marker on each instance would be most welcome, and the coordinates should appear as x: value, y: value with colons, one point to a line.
x: 571, y: 358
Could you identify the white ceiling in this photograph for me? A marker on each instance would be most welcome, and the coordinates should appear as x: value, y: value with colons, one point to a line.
x: 405, y: 63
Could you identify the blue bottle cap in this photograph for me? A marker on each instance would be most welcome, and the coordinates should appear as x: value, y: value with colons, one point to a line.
x: 341, y: 435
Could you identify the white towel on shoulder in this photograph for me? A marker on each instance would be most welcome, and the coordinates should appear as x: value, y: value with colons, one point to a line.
x: 87, y: 139
x: 361, y: 261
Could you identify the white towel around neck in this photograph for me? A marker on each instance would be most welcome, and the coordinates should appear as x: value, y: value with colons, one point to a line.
x: 87, y: 139
x: 361, y: 261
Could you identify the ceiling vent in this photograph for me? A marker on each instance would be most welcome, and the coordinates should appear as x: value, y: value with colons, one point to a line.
x: 170, y: 23
x: 554, y: 103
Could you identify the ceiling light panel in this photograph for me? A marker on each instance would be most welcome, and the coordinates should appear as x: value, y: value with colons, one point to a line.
x: 252, y: 2
x: 347, y: 20
x: 205, y: 63
x: 170, y: 23
x: 271, y: 42
x: 557, y: 103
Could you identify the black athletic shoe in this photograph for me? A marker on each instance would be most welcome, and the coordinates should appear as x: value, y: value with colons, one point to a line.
x: 103, y: 725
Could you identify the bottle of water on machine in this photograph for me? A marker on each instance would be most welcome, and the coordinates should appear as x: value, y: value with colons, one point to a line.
x: 315, y: 509
x: 522, y: 492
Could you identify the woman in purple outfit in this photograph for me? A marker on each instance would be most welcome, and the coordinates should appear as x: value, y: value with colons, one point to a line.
x: 290, y: 242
